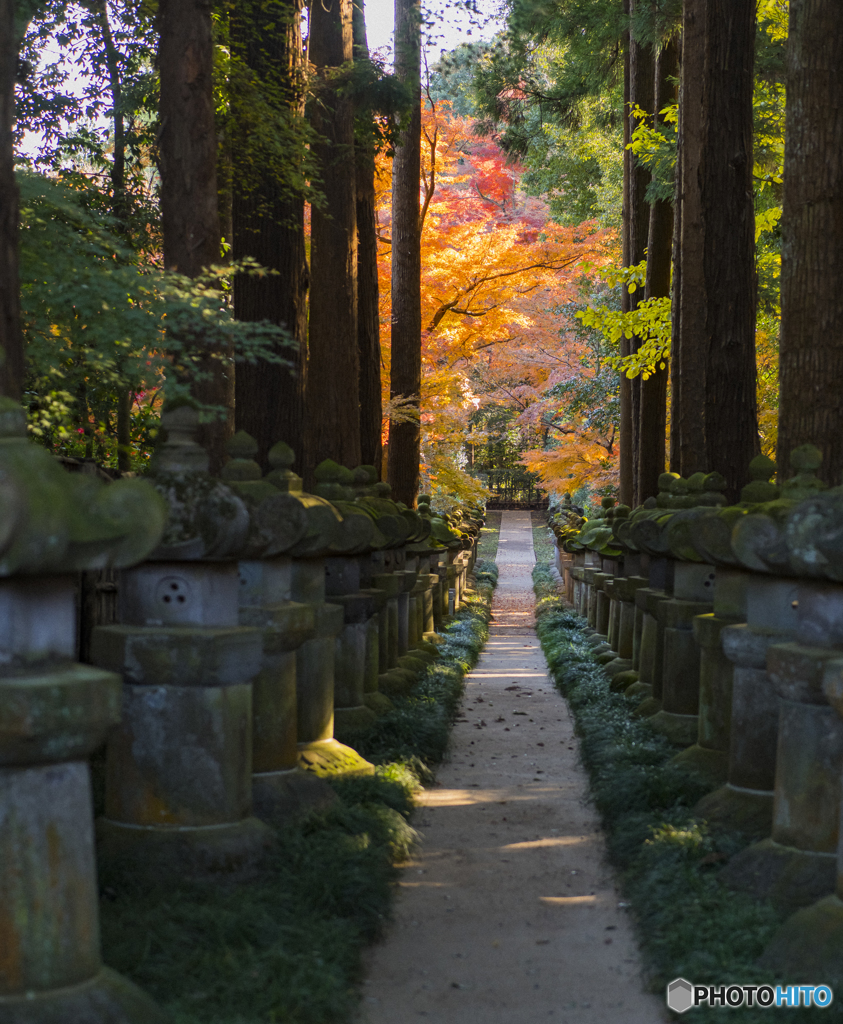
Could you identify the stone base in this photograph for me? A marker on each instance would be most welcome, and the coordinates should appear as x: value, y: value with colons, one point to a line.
x: 397, y: 682
x: 680, y: 730
x: 710, y: 765
x: 597, y: 640
x: 420, y: 653
x: 426, y: 647
x: 351, y: 723
x: 621, y: 681
x: 616, y: 666
x: 414, y: 664
x: 642, y: 691
x: 647, y: 708
x: 789, y: 878
x: 606, y: 656
x: 328, y: 757
x: 108, y: 998
x: 233, y: 852
x: 280, y: 796
x: 433, y: 638
x: 809, y: 945
x: 749, y: 811
x: 379, y: 703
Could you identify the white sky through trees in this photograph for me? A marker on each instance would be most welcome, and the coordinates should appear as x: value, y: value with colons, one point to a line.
x: 452, y: 24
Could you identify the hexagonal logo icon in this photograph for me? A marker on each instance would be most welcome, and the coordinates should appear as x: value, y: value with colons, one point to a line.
x: 680, y: 995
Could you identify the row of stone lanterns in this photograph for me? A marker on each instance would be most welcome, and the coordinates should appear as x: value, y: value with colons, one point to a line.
x: 53, y: 713
x: 252, y: 618
x: 736, y: 656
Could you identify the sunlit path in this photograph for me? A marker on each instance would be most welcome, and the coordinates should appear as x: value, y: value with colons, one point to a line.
x: 508, y: 912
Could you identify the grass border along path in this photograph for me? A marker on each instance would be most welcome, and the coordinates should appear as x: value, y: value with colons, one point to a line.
x: 689, y: 924
x: 287, y: 946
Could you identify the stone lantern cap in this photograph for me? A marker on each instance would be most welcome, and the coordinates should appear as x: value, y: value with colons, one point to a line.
x: 705, y: 534
x: 52, y: 521
x: 277, y: 518
x: 758, y: 538
x: 207, y: 519
x: 661, y: 527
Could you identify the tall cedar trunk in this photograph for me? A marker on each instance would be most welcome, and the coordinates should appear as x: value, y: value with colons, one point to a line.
x: 653, y: 391
x: 119, y: 207
x: 676, y: 293
x: 405, y: 376
x: 332, y: 420
x: 268, y: 225
x: 731, y: 409
x: 11, y: 339
x: 715, y: 410
x: 641, y: 89
x: 626, y: 483
x: 368, y: 316
x: 187, y: 148
x: 689, y: 347
x: 811, y: 367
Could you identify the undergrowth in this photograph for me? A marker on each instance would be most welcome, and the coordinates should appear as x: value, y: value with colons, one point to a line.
x: 286, y: 947
x: 487, y: 548
x: 543, y: 540
x: 689, y: 923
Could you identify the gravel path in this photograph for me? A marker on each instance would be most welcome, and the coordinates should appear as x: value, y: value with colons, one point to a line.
x: 508, y: 913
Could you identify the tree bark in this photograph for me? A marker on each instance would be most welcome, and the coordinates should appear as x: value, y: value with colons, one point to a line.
x: 642, y: 94
x: 368, y: 313
x: 332, y: 421
x: 731, y: 409
x: 811, y: 367
x: 405, y: 375
x: 187, y: 148
x: 653, y: 391
x: 714, y: 409
x: 11, y: 338
x: 626, y: 481
x: 676, y: 291
x: 269, y: 226
x: 689, y: 344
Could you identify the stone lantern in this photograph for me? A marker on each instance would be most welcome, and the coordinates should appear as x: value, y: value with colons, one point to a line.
x: 53, y: 714
x: 178, y: 797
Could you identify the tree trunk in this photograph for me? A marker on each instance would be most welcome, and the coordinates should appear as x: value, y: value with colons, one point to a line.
x: 676, y: 292
x: 626, y: 481
x: 689, y: 345
x: 811, y: 367
x: 405, y: 376
x: 269, y: 226
x: 653, y: 391
x: 641, y: 92
x: 119, y: 208
x: 187, y: 147
x: 731, y: 411
x: 368, y: 313
x: 715, y: 410
x: 11, y: 339
x: 332, y: 421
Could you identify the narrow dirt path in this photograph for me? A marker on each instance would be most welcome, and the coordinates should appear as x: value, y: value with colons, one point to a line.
x: 508, y: 913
